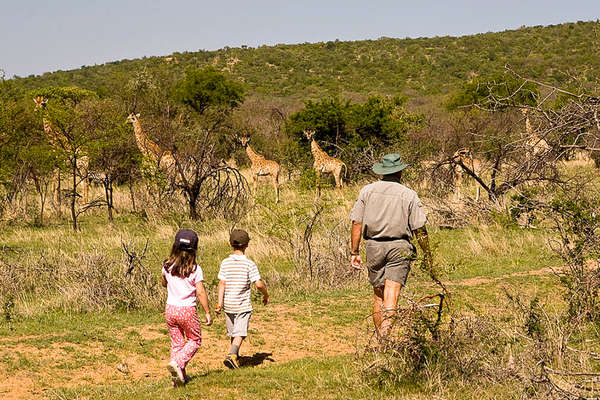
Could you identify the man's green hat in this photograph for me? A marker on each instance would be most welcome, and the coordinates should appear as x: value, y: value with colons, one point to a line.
x: 391, y: 164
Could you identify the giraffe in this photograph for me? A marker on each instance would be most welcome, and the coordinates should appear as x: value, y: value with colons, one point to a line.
x: 325, y: 163
x: 159, y: 158
x: 432, y: 167
x: 465, y: 156
x: 57, y: 140
x: 262, y: 167
x: 535, y: 145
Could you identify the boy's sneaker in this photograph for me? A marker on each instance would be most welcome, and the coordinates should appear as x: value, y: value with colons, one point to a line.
x: 176, y: 374
x: 231, y: 361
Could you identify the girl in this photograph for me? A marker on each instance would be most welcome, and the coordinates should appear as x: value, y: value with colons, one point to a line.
x: 183, y: 279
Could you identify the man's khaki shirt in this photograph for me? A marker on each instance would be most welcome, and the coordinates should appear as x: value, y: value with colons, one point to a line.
x: 388, y: 210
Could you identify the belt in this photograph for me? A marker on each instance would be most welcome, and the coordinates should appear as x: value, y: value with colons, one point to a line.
x: 387, y: 239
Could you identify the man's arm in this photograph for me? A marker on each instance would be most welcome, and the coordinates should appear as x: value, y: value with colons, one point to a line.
x: 355, y: 234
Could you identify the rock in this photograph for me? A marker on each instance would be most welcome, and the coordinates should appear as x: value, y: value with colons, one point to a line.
x: 123, y: 368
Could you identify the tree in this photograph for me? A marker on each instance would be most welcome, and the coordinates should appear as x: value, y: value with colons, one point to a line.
x: 502, y: 90
x: 64, y: 114
x: 194, y: 129
x: 113, y: 156
x: 40, y: 161
x: 204, y: 88
x: 212, y: 97
x: 523, y: 149
x: 357, y: 130
x: 24, y: 154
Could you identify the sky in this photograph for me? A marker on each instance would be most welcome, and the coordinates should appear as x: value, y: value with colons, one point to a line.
x: 37, y: 36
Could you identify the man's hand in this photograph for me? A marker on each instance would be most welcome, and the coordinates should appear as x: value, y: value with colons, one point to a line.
x: 356, y: 262
x: 208, y: 319
x: 218, y: 308
x: 423, y: 240
x: 265, y: 299
x: 355, y: 231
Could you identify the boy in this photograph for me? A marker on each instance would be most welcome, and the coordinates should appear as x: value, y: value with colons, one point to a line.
x: 235, y: 276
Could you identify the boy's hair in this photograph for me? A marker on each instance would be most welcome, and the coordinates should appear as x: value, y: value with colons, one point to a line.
x: 239, y: 246
x: 181, y: 263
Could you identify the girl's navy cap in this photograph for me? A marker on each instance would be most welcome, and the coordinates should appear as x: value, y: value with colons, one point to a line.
x: 187, y: 240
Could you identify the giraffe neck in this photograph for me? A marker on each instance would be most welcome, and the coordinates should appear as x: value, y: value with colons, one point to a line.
x: 528, y: 127
x: 54, y: 137
x: 146, y: 146
x: 315, y: 149
x: 254, y: 156
x: 532, y: 137
x: 48, y: 127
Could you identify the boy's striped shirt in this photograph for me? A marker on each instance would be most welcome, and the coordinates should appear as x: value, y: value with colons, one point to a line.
x: 238, y: 272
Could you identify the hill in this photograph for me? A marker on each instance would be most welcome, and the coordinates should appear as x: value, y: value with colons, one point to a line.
x: 423, y: 66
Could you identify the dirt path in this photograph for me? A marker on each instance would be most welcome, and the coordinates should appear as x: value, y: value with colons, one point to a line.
x: 278, y: 334
x: 479, y: 280
x: 30, y: 372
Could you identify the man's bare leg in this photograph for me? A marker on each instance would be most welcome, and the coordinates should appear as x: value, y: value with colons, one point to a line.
x: 377, y: 307
x: 391, y: 292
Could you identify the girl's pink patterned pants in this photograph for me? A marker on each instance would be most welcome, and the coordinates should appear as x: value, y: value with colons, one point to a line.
x: 183, y: 321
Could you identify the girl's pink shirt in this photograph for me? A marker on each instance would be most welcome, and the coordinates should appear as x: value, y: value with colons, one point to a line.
x: 182, y: 291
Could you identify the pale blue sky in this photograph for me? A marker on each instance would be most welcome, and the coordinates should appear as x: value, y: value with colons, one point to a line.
x: 46, y: 35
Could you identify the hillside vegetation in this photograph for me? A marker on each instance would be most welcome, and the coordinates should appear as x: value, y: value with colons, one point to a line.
x: 425, y: 66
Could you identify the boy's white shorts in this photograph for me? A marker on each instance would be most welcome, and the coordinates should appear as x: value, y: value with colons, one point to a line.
x: 237, y: 324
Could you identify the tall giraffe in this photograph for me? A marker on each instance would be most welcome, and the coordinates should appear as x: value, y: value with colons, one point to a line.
x: 325, y: 163
x: 465, y: 156
x: 161, y: 159
x: 57, y: 140
x: 262, y: 167
x: 535, y: 145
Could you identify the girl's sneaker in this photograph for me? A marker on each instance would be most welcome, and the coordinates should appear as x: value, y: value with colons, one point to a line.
x: 176, y: 374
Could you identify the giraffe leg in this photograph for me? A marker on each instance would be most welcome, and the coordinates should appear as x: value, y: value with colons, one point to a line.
x: 56, y: 189
x: 338, y: 181
x: 276, y: 185
x: 255, y: 184
x: 84, y: 190
x: 318, y: 184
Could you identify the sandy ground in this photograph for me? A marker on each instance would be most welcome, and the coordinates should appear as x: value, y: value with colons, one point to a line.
x: 66, y: 364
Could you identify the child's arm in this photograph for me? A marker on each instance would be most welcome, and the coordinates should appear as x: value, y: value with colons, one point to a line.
x: 163, y: 281
x: 203, y: 299
x: 260, y: 285
x: 220, y: 296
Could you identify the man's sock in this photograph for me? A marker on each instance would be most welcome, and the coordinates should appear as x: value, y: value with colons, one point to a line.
x: 234, y: 349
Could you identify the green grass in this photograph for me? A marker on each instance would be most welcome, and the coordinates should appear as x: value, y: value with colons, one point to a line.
x: 492, y: 251
x: 101, y: 339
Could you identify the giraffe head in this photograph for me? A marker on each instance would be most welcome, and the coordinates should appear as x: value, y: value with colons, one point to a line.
x: 462, y: 154
x: 244, y: 140
x: 132, y: 118
x: 40, y: 102
x: 309, y: 134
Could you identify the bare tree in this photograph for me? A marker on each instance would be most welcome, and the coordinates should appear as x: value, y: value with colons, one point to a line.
x: 525, y: 133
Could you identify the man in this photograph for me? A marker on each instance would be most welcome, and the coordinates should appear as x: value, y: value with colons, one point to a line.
x: 387, y: 214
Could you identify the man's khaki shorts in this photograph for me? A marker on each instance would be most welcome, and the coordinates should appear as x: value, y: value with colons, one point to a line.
x: 389, y: 260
